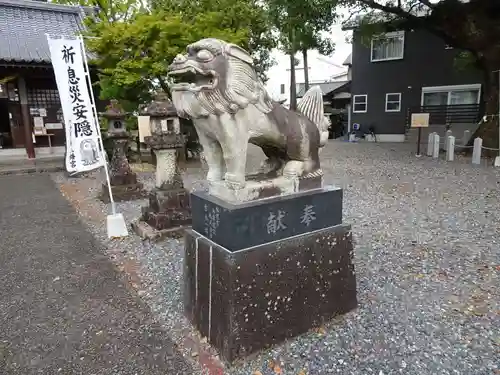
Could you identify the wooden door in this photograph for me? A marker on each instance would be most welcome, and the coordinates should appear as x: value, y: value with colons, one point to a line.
x: 16, y: 125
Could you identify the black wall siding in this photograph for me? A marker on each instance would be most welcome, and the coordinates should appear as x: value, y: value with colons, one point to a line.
x: 426, y: 62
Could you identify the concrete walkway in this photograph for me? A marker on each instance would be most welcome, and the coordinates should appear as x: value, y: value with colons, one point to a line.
x: 63, y: 307
x: 17, y: 165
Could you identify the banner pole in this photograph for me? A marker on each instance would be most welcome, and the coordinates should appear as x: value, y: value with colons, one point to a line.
x: 96, y: 119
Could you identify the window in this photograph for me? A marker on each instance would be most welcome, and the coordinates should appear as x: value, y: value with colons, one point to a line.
x: 282, y: 88
x: 393, y: 102
x: 388, y: 46
x: 3, y: 91
x: 43, y: 98
x: 360, y: 103
x: 451, y: 95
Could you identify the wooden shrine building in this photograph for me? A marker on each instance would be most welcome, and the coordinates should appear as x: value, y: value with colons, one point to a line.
x: 28, y: 90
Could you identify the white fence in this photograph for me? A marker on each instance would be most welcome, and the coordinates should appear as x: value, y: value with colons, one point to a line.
x: 450, y: 145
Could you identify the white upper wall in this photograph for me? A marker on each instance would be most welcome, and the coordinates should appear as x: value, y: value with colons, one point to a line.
x: 320, y: 70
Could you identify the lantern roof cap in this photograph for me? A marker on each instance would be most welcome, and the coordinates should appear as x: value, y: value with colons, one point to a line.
x: 161, y: 106
x: 114, y: 111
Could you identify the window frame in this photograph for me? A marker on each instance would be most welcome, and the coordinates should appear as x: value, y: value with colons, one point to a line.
x: 354, y: 103
x: 449, y: 89
x: 393, y: 101
x: 388, y: 35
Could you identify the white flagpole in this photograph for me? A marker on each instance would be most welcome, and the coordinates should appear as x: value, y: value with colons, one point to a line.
x: 96, y: 119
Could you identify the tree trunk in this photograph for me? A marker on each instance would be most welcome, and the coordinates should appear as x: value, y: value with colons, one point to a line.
x: 293, y: 86
x: 306, y: 70
x: 488, y: 130
x: 164, y: 86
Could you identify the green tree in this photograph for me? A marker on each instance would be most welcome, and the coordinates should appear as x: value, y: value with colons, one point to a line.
x: 133, y: 48
x: 133, y: 57
x: 109, y: 10
x: 233, y: 15
x: 471, y: 27
x: 299, y: 25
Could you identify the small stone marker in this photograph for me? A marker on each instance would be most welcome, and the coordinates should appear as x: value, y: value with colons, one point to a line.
x: 450, y: 148
x: 430, y: 144
x: 446, y: 136
x: 466, y: 137
x: 476, y: 152
x: 435, y: 148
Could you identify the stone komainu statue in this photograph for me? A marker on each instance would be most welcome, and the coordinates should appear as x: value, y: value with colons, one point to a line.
x: 215, y: 84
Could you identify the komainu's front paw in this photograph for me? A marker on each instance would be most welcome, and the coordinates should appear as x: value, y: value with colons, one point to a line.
x: 294, y: 168
x: 234, y: 181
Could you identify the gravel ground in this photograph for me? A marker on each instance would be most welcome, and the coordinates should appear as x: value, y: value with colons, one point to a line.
x: 427, y: 260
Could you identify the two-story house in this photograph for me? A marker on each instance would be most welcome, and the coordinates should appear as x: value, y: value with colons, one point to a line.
x: 402, y: 72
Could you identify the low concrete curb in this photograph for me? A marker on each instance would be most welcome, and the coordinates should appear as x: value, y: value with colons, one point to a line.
x: 9, y: 171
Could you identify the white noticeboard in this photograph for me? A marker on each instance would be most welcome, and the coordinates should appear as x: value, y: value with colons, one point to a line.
x: 420, y: 120
x: 144, y: 128
x: 82, y: 133
x: 38, y: 127
x: 53, y: 125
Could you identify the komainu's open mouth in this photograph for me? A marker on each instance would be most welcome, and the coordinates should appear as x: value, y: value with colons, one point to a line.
x: 191, y: 78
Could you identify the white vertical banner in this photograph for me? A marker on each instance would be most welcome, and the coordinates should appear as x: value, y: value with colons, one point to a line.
x: 82, y: 129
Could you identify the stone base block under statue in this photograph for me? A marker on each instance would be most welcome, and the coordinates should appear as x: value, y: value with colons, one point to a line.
x: 167, y: 215
x: 124, y: 188
x: 257, y: 273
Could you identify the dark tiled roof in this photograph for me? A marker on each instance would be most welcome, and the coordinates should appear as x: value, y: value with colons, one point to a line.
x: 344, y: 87
x: 24, y: 24
x: 326, y: 87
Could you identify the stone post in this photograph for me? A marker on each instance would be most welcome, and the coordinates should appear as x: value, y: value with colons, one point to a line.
x: 466, y: 137
x: 430, y: 144
x: 169, y: 211
x: 450, y: 148
x: 476, y: 152
x: 446, y: 136
x: 124, y: 184
x: 435, y: 148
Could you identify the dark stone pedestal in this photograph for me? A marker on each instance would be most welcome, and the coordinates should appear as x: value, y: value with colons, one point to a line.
x: 124, y: 184
x: 126, y: 189
x: 295, y: 273
x: 168, y: 214
x: 240, y: 225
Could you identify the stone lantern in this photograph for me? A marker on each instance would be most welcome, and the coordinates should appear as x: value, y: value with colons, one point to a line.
x: 124, y: 184
x: 169, y: 210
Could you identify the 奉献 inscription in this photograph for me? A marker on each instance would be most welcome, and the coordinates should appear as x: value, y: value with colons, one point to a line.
x: 238, y: 226
x: 308, y: 215
x: 275, y: 222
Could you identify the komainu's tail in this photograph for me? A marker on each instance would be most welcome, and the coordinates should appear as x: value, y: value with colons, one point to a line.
x: 311, y: 106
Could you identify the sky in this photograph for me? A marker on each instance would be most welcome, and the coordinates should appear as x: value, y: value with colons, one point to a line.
x: 319, y: 70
